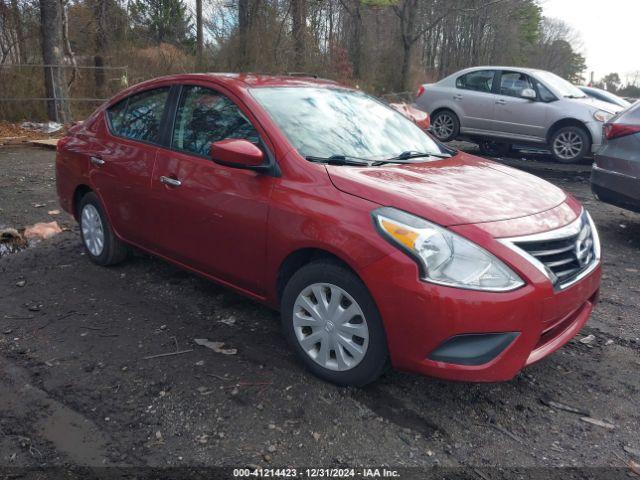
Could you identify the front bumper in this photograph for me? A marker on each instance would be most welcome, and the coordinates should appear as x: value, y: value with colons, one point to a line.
x: 595, y: 129
x: 420, y: 318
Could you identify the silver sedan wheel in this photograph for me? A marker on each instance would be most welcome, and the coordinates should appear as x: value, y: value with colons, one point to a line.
x: 92, y: 230
x: 330, y: 326
x: 568, y: 145
x: 443, y: 125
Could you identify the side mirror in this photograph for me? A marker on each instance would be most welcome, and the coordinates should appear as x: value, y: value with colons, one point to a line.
x: 528, y: 93
x: 237, y: 153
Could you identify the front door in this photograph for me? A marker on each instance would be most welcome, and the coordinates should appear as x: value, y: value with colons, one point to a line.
x: 516, y: 115
x: 211, y: 217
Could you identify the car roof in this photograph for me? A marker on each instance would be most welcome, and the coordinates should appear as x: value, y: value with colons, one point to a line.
x: 499, y: 67
x: 251, y: 80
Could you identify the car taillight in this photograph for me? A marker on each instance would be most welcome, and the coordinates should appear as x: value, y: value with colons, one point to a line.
x: 420, y: 91
x: 617, y: 130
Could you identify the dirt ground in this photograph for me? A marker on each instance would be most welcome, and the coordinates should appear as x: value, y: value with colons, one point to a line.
x: 76, y: 387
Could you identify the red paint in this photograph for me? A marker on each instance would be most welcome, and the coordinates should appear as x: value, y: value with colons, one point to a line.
x: 418, y: 117
x: 238, y: 226
x: 237, y: 151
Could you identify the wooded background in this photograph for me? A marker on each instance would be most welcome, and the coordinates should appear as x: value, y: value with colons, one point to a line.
x: 381, y: 46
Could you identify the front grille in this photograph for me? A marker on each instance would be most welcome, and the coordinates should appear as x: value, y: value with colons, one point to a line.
x: 565, y: 253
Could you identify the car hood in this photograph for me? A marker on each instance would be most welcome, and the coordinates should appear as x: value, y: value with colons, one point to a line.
x: 596, y: 105
x: 456, y: 191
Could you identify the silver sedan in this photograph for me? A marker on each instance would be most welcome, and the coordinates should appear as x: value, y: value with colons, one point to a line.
x: 501, y: 106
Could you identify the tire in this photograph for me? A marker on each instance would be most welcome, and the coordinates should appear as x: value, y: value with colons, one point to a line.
x: 445, y: 125
x: 355, y: 346
x: 100, y: 243
x: 493, y: 148
x: 570, y: 144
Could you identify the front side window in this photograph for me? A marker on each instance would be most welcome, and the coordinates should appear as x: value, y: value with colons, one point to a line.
x: 138, y: 117
x: 205, y: 116
x: 325, y: 122
x: 545, y: 93
x: 513, y: 83
x: 480, y: 81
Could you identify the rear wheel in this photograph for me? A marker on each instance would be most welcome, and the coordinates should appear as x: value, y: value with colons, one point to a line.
x: 445, y: 125
x: 333, y: 325
x: 570, y: 144
x: 100, y: 243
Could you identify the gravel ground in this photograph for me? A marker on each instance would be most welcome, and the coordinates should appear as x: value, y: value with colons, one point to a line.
x: 76, y: 387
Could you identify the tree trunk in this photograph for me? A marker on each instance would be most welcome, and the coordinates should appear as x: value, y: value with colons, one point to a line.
x: 100, y: 16
x: 405, y: 74
x: 243, y: 33
x: 199, y: 36
x: 17, y: 18
x: 52, y: 56
x: 356, y: 39
x: 299, y: 24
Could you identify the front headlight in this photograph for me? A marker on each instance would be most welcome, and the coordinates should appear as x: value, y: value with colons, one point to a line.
x: 444, y: 257
x: 603, y: 116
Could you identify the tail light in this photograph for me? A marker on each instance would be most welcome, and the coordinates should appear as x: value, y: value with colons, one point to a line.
x: 420, y: 91
x: 617, y: 130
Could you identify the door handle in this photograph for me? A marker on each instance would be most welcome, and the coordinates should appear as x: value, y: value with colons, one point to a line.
x: 172, y: 182
x: 501, y: 102
x: 457, y: 97
x: 97, y: 161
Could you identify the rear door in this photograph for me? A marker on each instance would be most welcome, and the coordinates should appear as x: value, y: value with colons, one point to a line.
x: 517, y: 115
x: 211, y: 217
x: 475, y: 98
x: 122, y: 165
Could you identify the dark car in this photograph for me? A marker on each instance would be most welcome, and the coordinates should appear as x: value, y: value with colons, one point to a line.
x: 615, y: 178
x: 605, y: 96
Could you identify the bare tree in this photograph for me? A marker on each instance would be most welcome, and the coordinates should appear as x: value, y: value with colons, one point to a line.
x: 298, y: 31
x: 100, y: 19
x: 56, y: 88
x: 199, y: 35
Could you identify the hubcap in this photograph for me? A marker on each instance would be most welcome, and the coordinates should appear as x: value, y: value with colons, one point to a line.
x: 92, y: 230
x: 568, y: 145
x: 330, y: 326
x: 443, y: 126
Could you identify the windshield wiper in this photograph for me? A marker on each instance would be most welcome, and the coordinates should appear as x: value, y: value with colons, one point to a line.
x: 405, y: 157
x: 339, y: 160
x: 575, y: 96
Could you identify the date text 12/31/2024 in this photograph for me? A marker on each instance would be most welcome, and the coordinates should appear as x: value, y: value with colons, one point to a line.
x: 313, y: 473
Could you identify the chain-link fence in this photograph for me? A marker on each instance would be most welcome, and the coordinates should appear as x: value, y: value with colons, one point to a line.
x: 23, y: 94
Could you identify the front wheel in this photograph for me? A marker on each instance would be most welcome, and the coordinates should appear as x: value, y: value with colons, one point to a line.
x: 333, y: 325
x: 445, y: 125
x: 570, y: 144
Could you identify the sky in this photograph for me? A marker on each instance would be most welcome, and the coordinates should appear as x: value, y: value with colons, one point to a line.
x: 609, y: 30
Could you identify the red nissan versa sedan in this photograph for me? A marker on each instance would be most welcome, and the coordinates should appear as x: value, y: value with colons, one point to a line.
x: 375, y: 241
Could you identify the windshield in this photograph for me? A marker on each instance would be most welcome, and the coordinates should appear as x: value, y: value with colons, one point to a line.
x: 326, y: 122
x: 560, y: 86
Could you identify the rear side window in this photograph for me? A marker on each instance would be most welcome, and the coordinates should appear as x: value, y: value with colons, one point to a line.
x: 205, y: 116
x: 481, y: 81
x: 513, y: 83
x: 138, y: 117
